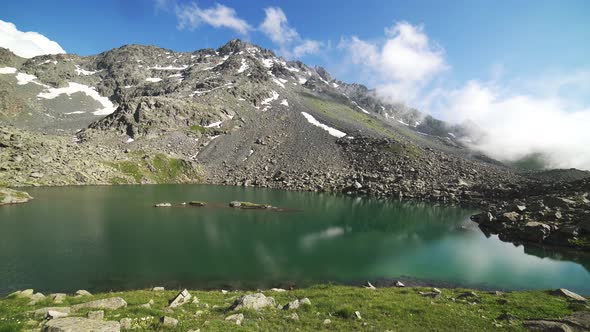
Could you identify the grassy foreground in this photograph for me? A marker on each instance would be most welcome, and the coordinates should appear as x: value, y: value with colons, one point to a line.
x: 386, y: 309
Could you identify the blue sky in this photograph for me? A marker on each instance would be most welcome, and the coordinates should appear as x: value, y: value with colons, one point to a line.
x: 519, y: 69
x: 476, y: 35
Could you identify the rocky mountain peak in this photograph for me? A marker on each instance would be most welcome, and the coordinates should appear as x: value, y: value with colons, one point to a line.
x: 233, y: 46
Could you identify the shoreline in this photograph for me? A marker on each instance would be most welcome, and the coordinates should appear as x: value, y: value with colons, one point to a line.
x: 320, y: 307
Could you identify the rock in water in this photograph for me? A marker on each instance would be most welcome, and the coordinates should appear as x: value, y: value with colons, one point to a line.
x: 112, y: 303
x: 569, y: 294
x: 165, y: 204
x: 79, y: 324
x: 183, y: 297
x: 10, y: 196
x: 253, y: 301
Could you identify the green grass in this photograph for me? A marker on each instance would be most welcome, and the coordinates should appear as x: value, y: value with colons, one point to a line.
x: 397, y: 309
x: 198, y: 129
x: 155, y: 169
x: 344, y: 113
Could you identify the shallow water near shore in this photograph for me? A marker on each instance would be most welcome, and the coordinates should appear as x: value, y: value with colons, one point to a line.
x: 112, y: 238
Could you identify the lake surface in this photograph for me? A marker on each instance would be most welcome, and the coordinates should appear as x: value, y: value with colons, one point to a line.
x: 112, y: 238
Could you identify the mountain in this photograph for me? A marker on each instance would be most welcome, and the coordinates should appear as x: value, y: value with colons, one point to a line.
x: 218, y: 110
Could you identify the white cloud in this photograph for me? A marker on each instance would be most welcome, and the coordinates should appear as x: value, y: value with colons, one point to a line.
x: 517, y: 124
x: 401, y: 65
x: 276, y: 27
x: 191, y: 16
x: 26, y: 44
x: 307, y: 46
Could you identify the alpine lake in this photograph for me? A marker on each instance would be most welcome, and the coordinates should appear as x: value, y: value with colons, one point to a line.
x: 103, y: 238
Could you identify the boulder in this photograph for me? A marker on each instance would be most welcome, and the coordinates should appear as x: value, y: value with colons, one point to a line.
x: 327, y: 321
x: 235, y: 204
x: 125, y: 323
x: 253, y: 301
x: 293, y: 316
x: 568, y: 294
x: 181, y: 298
x: 43, y: 311
x: 399, y: 284
x: 236, y: 318
x: 158, y: 289
x: 79, y: 324
x: 58, y: 297
x: 82, y: 292
x: 112, y: 303
x: 24, y: 293
x: 52, y: 314
x: 510, y: 217
x: 546, y: 326
x: 36, y: 298
x: 97, y: 315
x: 536, y: 231
x: 168, y: 321
x: 296, y: 304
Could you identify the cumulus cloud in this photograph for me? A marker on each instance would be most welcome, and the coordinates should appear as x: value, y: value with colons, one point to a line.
x: 191, y: 16
x: 276, y: 27
x: 307, y: 46
x: 546, y: 116
x: 26, y: 44
x: 401, y: 65
x: 517, y: 125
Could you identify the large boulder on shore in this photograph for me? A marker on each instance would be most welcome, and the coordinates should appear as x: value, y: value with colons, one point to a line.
x: 112, y: 303
x: 253, y: 301
x: 536, y: 231
x: 79, y: 324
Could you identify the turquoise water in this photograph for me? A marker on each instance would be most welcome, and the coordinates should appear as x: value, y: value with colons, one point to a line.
x: 112, y: 238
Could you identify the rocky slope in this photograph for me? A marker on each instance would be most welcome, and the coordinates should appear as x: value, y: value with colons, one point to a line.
x: 240, y: 115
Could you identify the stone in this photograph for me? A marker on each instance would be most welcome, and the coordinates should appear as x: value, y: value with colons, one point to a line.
x: 82, y: 292
x: 236, y: 318
x: 26, y: 293
x: 235, y: 204
x: 164, y: 204
x: 327, y: 321
x: 466, y: 295
x: 37, y: 175
x: 223, y: 291
x: 36, y: 298
x: 125, y: 323
x: 79, y: 324
x: 293, y: 316
x: 98, y: 315
x: 399, y: 284
x: 54, y: 314
x: 357, y: 315
x: 253, y: 301
x: 58, y: 297
x: 357, y: 185
x: 195, y: 300
x: 546, y: 326
x: 183, y: 297
x: 42, y: 312
x: 536, y: 231
x: 296, y: 304
x: 158, y: 289
x: 168, y: 321
x: 569, y: 294
x: 112, y: 303
x: 579, y: 319
x: 278, y: 290
x: 199, y: 313
x: 370, y: 286
x: 482, y: 218
x: 510, y: 217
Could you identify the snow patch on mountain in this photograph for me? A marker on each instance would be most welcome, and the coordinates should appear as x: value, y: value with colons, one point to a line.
x: 107, y: 106
x: 274, y: 96
x: 332, y: 131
